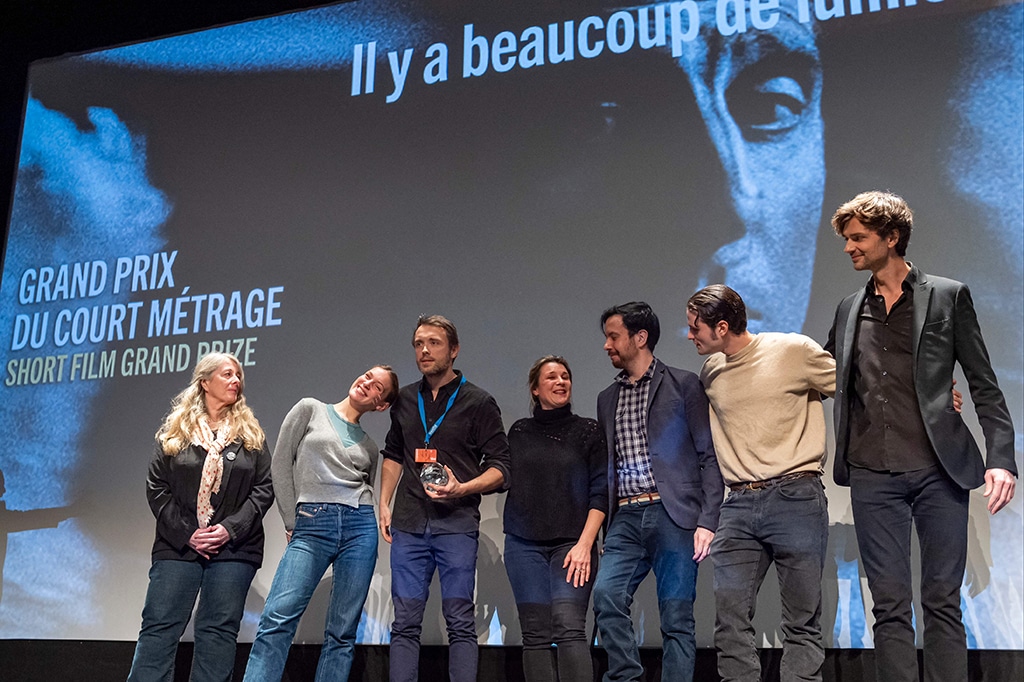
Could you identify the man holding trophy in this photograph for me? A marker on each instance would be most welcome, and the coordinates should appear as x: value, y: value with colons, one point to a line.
x: 446, y: 447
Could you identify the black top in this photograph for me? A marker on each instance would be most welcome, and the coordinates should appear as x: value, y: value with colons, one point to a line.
x: 887, y: 432
x: 470, y: 440
x: 561, y: 474
x: 246, y: 494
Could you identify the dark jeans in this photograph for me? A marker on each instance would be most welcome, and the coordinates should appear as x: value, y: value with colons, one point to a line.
x: 642, y: 537
x: 786, y: 523
x: 325, y: 535
x: 884, y: 505
x: 551, y: 610
x: 173, y: 587
x: 414, y: 558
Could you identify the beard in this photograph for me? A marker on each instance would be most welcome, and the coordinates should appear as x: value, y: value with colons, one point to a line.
x: 440, y: 366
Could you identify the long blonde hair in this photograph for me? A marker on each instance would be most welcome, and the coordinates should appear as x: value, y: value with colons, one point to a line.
x: 175, y: 434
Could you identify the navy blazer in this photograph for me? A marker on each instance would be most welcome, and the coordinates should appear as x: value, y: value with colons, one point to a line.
x: 683, y: 459
x: 945, y: 331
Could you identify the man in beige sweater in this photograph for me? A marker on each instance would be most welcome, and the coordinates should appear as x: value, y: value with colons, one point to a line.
x: 768, y: 427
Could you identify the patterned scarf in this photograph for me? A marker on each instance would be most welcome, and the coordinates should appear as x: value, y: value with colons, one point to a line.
x: 213, y: 466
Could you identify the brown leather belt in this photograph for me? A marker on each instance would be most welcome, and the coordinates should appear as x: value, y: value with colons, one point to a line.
x: 637, y: 499
x: 769, y: 482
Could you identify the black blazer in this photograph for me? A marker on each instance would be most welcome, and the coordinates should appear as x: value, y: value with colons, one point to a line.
x: 246, y: 494
x: 683, y: 457
x: 946, y: 331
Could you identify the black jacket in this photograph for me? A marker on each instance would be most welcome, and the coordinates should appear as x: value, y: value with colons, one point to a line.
x: 946, y: 332
x: 246, y: 494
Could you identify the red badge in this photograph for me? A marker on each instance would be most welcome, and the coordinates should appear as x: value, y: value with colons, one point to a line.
x: 425, y: 455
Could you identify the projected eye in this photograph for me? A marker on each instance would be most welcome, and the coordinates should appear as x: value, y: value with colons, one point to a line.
x: 769, y: 104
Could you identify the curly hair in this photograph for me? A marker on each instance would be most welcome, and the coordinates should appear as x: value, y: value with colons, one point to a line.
x: 175, y: 434
x: 881, y: 212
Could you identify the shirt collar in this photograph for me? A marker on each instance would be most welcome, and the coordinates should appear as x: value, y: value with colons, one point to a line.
x: 444, y: 390
x: 623, y: 376
x: 908, y: 284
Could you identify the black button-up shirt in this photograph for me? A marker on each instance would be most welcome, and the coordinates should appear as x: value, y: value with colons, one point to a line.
x: 887, y: 432
x: 470, y: 440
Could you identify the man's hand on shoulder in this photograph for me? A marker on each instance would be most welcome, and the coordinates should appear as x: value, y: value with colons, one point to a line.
x: 1000, y: 485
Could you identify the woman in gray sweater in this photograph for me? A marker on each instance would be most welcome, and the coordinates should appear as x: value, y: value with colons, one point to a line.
x: 323, y: 470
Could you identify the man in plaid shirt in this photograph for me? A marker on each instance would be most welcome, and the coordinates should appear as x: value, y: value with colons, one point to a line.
x: 665, y: 490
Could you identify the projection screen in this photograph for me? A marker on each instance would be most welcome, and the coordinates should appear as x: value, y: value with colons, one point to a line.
x: 298, y: 189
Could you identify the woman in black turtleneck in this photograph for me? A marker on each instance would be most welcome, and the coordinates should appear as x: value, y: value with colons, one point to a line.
x: 552, y: 515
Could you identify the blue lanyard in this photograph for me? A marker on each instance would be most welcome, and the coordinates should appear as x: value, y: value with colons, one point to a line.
x: 423, y: 414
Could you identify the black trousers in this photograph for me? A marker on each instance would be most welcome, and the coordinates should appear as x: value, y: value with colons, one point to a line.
x: 884, y: 506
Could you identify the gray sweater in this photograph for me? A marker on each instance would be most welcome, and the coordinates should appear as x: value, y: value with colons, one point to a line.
x: 312, y: 464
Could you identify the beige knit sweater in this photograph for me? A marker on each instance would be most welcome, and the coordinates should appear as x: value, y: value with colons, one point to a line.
x: 766, y: 413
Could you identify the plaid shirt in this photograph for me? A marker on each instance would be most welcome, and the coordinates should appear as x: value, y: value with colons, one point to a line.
x: 632, y: 459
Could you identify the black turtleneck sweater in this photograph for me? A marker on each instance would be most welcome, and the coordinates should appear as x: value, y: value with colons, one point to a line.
x: 560, y: 461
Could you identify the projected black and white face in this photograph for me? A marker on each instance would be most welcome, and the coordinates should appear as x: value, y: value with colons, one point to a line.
x: 703, y: 166
x: 759, y: 93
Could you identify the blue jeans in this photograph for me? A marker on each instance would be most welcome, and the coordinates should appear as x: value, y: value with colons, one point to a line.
x: 551, y: 610
x: 325, y: 535
x: 642, y: 537
x: 884, y: 506
x: 173, y: 587
x: 786, y: 523
x: 414, y: 558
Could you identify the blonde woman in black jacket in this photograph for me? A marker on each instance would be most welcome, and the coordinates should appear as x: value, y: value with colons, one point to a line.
x: 209, y: 487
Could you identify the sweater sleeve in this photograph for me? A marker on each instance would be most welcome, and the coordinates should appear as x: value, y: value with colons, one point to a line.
x: 819, y: 368
x: 293, y: 430
x: 371, y: 474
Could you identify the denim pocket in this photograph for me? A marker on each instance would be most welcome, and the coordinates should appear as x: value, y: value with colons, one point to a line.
x: 802, y: 489
x: 307, y: 510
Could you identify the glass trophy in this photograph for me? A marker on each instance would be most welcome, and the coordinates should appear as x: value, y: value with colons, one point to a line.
x: 433, y: 473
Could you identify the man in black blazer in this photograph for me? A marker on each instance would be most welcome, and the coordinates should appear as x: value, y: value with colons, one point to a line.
x: 900, y: 445
x: 665, y: 491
